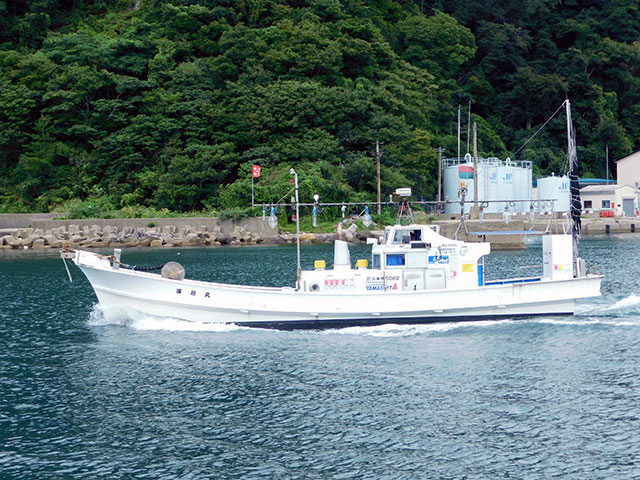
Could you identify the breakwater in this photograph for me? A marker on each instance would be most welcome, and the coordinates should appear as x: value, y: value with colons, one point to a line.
x: 159, y: 232
x: 41, y: 232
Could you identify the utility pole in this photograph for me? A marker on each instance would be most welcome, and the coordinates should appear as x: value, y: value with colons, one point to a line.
x: 378, y: 155
x: 607, y: 160
x: 297, y: 198
x: 468, y: 125
x: 458, y: 133
x: 475, y: 209
x: 440, y: 150
x: 475, y: 164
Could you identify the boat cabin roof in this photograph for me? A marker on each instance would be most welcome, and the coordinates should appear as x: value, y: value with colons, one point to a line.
x: 405, y: 234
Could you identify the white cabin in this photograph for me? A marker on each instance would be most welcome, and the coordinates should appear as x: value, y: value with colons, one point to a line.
x: 408, y: 258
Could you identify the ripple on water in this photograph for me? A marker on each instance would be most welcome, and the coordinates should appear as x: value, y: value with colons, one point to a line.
x: 86, y: 395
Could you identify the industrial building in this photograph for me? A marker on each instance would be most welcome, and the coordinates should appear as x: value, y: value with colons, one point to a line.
x: 619, y: 199
x: 506, y: 186
x: 496, y: 179
x: 610, y: 200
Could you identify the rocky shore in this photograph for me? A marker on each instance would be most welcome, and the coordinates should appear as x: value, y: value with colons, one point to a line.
x: 45, y: 233
x: 110, y: 236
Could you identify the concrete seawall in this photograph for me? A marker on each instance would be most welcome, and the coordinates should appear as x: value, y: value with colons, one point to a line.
x: 9, y: 221
x: 254, y: 225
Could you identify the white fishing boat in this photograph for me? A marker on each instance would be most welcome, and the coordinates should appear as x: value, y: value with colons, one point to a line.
x: 415, y: 275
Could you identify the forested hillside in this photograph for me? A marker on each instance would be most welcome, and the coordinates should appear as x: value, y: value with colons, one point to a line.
x: 167, y: 104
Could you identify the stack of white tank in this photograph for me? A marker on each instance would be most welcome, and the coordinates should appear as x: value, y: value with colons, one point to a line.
x: 508, y: 181
x: 553, y: 188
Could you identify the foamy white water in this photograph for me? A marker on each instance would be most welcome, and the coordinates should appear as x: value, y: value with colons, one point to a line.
x: 395, y: 330
x: 630, y: 303
x: 139, y: 321
x: 592, y: 321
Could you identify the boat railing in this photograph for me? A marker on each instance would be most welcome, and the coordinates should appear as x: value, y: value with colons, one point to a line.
x: 538, y: 206
x: 486, y: 162
x: 508, y: 281
x: 519, y: 278
x: 525, y: 267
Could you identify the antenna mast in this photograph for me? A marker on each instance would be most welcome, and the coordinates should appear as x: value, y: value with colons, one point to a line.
x: 574, y: 186
x: 458, y: 133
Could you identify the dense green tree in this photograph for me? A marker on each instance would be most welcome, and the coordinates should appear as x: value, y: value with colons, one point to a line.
x: 168, y: 103
x: 438, y: 44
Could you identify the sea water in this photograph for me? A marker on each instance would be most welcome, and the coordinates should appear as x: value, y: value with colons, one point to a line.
x: 83, y: 396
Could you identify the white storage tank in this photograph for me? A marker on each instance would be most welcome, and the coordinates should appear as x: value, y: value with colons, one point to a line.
x: 491, y: 167
x: 528, y: 187
x: 518, y: 179
x: 450, y: 185
x: 505, y: 185
x: 496, y: 180
x: 483, y: 181
x: 456, y: 174
x: 522, y: 186
x: 554, y: 188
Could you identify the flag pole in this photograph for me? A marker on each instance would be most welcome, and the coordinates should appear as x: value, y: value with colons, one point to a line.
x: 299, y: 269
x: 255, y: 173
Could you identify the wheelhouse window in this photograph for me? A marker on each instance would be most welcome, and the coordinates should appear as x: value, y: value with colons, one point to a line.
x: 588, y: 204
x: 606, y: 203
x: 407, y: 236
x: 376, y: 261
x: 401, y: 236
x: 395, y: 259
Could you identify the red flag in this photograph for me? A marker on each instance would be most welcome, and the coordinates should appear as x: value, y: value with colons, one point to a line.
x: 255, y: 172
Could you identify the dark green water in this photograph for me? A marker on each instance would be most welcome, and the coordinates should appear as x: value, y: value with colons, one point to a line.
x: 549, y: 398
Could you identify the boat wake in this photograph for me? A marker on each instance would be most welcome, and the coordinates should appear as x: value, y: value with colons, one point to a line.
x: 628, y: 305
x: 138, y: 321
x: 623, y: 313
x: 397, y: 330
x: 592, y: 320
x: 627, y: 308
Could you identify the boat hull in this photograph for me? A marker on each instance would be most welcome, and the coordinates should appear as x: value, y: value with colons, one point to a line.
x: 287, y: 308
